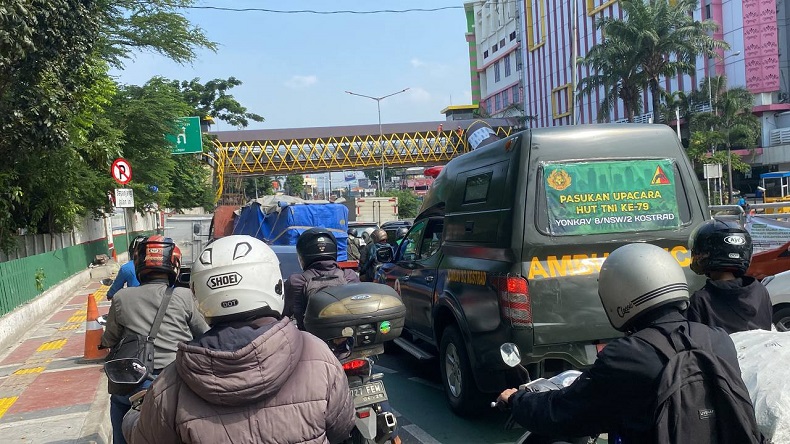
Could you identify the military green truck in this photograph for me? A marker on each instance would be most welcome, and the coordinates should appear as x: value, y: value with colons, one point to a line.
x: 510, y: 239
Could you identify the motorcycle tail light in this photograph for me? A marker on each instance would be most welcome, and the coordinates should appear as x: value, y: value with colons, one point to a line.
x: 363, y: 413
x: 356, y: 366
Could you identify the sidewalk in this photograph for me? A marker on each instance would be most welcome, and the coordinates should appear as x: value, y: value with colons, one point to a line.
x: 47, y: 394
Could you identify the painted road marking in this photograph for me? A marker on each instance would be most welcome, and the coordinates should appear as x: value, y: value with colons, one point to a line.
x: 28, y: 371
x: 52, y: 345
x: 77, y: 319
x: 423, y: 436
x: 6, y: 403
x: 70, y: 326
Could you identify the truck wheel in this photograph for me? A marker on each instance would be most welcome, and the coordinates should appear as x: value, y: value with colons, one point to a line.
x: 782, y: 319
x: 456, y: 372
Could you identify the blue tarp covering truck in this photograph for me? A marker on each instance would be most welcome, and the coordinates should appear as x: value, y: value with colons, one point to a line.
x: 280, y: 222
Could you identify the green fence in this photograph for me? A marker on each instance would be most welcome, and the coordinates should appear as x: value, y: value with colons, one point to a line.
x: 21, y: 280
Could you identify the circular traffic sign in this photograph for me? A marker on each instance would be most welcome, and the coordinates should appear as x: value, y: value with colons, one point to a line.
x: 121, y: 171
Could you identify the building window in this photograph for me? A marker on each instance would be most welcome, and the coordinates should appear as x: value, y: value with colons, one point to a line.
x: 514, y: 92
x: 488, y: 107
x: 507, y: 65
x: 494, y: 48
x: 561, y: 101
x: 497, y: 103
x: 502, y: 43
x: 505, y: 98
x: 485, y: 54
x: 596, y: 6
x: 497, y: 77
x: 536, y: 23
x: 513, y: 36
x: 519, y: 60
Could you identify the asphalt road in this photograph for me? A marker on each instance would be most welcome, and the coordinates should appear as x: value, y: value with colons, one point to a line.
x: 415, y: 392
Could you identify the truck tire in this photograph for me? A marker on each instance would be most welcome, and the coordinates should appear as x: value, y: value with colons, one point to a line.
x: 781, y: 319
x: 459, y: 384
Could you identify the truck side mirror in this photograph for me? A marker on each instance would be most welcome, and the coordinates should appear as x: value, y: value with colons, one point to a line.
x: 196, y: 228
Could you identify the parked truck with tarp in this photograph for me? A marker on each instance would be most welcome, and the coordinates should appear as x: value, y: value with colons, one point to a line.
x: 279, y: 220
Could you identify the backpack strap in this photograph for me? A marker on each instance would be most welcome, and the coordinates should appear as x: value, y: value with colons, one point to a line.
x: 160, y: 314
x: 658, y: 339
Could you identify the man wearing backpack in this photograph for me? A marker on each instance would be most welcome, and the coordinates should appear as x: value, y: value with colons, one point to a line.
x: 634, y: 390
x: 317, y: 252
x: 367, y: 269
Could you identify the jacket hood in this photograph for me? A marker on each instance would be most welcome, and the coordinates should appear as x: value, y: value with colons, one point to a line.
x: 323, y: 266
x: 235, y: 364
x: 736, y: 293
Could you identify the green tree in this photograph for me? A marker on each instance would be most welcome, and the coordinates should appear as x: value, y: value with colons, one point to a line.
x: 730, y: 125
x: 294, y: 185
x: 408, y: 204
x: 157, y: 26
x: 615, y: 72
x: 258, y: 186
x: 213, y: 100
x: 665, y: 41
x: 145, y: 114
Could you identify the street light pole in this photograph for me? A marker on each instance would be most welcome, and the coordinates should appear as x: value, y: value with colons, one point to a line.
x: 381, y: 132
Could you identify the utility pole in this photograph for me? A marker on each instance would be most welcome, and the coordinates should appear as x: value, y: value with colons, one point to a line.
x: 381, y: 132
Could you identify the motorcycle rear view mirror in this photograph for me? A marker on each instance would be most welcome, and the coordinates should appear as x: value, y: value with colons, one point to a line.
x: 125, y: 371
x: 385, y: 255
x: 510, y: 354
x: 341, y: 347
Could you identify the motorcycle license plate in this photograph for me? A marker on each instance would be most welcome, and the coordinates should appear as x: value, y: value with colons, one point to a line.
x: 369, y: 393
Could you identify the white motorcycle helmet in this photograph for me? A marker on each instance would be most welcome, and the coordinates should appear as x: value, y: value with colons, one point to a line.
x: 637, y: 278
x: 237, y: 278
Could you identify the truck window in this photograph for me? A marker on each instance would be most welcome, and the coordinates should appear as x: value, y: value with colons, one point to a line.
x: 476, y: 190
x: 610, y: 196
x: 432, y: 239
x: 408, y: 248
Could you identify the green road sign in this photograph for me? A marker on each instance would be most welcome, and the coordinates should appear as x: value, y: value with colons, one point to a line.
x: 189, y: 139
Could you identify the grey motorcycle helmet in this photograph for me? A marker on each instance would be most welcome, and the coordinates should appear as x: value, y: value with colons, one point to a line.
x: 637, y: 278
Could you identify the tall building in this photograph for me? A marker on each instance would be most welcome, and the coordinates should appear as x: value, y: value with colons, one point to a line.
x: 758, y: 59
x: 493, y: 33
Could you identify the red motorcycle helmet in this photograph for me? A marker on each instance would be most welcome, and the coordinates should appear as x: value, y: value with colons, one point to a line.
x: 157, y: 255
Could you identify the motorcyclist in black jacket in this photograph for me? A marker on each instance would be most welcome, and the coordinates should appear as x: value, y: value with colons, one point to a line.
x: 617, y: 394
x: 722, y: 251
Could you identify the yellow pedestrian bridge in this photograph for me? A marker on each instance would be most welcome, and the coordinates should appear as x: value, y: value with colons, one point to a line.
x: 237, y: 154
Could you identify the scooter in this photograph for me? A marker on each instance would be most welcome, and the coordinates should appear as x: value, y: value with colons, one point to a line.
x: 512, y: 357
x: 373, y: 424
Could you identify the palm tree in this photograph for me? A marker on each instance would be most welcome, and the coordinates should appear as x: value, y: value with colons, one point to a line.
x: 729, y: 124
x: 665, y: 38
x: 615, y: 73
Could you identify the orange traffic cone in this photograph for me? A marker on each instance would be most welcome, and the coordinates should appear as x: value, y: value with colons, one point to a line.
x: 93, y: 332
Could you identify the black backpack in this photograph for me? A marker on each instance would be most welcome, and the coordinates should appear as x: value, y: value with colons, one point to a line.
x: 317, y: 282
x: 700, y: 395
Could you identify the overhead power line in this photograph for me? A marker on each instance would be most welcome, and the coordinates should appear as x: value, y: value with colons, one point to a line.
x: 311, y: 11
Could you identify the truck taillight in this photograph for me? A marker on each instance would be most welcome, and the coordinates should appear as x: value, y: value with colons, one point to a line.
x: 514, y: 301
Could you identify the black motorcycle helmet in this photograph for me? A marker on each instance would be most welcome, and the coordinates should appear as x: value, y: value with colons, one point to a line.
x: 719, y: 245
x: 133, y: 245
x: 316, y: 244
x: 401, y: 233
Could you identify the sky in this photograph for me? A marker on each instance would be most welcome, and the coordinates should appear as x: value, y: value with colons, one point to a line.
x: 295, y: 68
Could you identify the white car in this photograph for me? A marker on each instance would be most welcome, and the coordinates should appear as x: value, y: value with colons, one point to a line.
x: 779, y: 288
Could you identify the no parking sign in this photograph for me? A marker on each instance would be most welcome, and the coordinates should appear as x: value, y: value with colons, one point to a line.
x: 121, y: 171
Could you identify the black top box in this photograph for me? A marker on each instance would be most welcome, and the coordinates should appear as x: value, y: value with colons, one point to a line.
x: 370, y: 313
